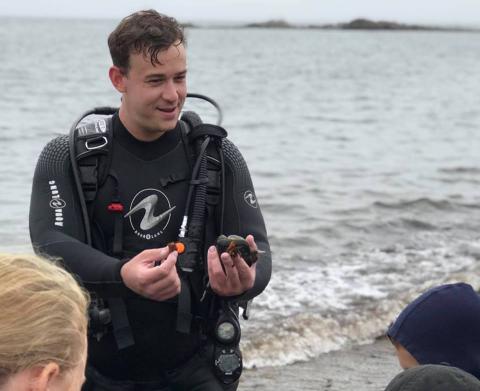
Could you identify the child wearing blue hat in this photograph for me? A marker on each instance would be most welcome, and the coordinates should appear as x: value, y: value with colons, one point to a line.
x: 441, y: 326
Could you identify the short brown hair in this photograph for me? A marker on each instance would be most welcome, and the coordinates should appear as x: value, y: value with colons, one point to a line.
x: 147, y: 32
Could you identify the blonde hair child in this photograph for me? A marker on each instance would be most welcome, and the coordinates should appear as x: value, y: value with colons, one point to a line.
x: 43, y: 324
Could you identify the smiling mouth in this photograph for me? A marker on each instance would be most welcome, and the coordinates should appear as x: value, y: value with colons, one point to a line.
x: 166, y: 109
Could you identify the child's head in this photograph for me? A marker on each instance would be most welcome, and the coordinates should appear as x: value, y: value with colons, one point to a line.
x: 434, y: 378
x: 442, y: 326
x: 43, y: 325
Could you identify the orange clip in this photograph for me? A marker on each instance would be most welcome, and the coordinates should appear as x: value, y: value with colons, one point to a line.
x: 176, y: 246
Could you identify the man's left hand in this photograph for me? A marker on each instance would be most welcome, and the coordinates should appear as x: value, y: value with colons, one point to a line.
x: 235, y: 277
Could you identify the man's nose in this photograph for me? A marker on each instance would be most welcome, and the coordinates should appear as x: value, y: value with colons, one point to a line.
x: 170, y: 92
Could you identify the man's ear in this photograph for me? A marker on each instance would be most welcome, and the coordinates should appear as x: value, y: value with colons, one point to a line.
x: 117, y: 77
x: 43, y: 377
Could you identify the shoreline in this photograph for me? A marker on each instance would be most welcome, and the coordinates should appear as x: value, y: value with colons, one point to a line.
x: 367, y: 367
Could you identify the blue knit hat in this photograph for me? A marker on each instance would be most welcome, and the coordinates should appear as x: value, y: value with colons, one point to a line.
x: 442, y: 326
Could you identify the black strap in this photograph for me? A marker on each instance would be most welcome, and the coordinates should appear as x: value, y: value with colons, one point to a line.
x: 92, y: 158
x: 184, y: 311
x: 93, y: 141
x: 116, y: 208
x: 118, y: 234
x: 203, y: 130
x: 89, y: 177
x: 194, y: 284
x: 187, y: 263
x: 200, y: 181
x: 121, y: 326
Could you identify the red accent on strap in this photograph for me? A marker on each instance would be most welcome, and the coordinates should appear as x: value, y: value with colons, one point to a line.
x: 115, y: 207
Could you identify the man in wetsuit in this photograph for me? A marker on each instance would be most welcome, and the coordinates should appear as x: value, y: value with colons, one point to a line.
x: 149, y: 175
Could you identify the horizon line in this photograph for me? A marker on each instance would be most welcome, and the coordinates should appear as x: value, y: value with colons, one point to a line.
x: 228, y: 22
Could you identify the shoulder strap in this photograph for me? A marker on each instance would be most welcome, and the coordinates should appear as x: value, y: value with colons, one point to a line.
x: 90, y: 153
x: 90, y: 143
x: 93, y: 146
x: 206, y: 182
x: 192, y: 129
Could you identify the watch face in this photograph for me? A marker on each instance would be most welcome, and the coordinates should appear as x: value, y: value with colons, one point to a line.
x: 229, y: 363
x: 226, y: 332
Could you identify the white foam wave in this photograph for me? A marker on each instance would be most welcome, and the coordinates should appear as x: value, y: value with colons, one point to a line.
x: 307, y: 335
x: 329, y: 307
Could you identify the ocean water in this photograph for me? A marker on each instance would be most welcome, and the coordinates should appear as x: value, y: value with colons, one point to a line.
x: 364, y: 149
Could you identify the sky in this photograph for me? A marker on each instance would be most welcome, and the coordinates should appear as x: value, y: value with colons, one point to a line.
x: 451, y: 12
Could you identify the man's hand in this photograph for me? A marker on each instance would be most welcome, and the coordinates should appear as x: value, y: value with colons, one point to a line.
x: 153, y: 282
x: 235, y: 277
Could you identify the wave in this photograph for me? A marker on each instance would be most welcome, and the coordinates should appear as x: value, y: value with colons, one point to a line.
x: 319, y: 302
x: 416, y: 204
x: 452, y: 181
x: 402, y: 223
x: 281, y: 208
x: 460, y: 170
x: 419, y: 204
x: 339, y: 120
x: 426, y: 204
x: 307, y: 335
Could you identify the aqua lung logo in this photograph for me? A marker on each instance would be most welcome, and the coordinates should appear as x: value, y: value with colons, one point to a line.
x: 56, y: 203
x: 149, y: 214
x: 250, y: 198
x: 100, y: 127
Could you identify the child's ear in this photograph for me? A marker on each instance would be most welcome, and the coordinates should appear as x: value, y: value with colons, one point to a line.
x: 43, y: 377
x: 405, y: 358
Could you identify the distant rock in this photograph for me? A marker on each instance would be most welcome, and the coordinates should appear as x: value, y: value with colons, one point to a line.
x: 367, y: 24
x: 275, y: 23
x: 356, y: 24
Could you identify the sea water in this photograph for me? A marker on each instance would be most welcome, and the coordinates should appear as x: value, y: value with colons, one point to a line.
x: 363, y: 146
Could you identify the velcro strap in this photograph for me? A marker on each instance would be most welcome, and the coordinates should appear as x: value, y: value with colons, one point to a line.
x: 172, y: 178
x: 214, y: 181
x: 88, y: 177
x: 199, y: 181
x: 88, y: 174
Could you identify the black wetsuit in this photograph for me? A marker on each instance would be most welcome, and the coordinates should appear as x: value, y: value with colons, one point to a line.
x: 156, y: 175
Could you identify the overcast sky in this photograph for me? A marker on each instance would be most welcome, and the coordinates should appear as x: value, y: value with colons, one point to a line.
x: 411, y: 11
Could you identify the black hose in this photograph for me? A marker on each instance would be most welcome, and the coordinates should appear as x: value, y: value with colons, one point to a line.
x: 197, y: 221
x: 222, y: 199
x: 209, y: 100
x: 195, y: 174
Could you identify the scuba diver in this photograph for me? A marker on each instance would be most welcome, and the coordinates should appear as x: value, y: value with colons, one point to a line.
x: 133, y: 201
